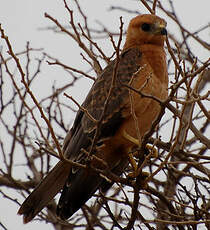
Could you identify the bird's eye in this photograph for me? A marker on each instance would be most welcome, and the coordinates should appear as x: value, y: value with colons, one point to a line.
x: 146, y: 27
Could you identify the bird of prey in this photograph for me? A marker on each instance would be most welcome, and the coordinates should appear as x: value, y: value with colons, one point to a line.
x: 123, y: 114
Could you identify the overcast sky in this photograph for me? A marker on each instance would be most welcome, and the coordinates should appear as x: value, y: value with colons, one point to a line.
x: 22, y: 21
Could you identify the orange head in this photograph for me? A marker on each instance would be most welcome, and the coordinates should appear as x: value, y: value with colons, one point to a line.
x: 146, y: 29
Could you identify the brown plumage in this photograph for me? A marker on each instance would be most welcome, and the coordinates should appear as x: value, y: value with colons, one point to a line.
x: 141, y: 65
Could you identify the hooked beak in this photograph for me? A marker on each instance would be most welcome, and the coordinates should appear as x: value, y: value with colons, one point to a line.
x: 160, y: 29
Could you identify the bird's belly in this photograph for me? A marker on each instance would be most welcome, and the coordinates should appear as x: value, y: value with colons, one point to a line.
x: 137, y: 125
x: 140, y: 114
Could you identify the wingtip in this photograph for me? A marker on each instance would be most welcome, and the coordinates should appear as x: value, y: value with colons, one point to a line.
x: 26, y: 217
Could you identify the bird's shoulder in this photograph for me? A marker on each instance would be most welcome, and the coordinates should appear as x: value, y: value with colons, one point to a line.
x: 125, y: 66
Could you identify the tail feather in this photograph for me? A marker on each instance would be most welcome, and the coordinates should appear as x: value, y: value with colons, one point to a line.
x: 45, y: 191
x: 77, y: 190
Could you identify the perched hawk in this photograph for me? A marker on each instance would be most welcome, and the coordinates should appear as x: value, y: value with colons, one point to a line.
x: 114, y: 101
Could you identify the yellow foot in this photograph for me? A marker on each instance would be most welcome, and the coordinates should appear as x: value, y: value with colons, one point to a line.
x: 133, y: 165
x: 130, y: 138
x: 152, y: 150
x: 142, y: 178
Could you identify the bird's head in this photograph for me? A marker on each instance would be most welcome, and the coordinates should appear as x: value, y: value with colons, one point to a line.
x: 146, y: 29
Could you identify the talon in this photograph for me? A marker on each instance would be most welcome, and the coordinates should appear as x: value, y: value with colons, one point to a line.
x: 142, y: 180
x: 131, y: 155
x: 145, y: 174
x: 132, y: 175
x: 152, y: 150
x: 133, y: 165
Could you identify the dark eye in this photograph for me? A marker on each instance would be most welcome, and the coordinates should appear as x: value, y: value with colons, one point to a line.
x: 146, y: 27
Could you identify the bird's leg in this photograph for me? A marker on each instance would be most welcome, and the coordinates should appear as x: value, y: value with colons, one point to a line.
x: 152, y: 150
x: 130, y: 138
x: 133, y: 164
x: 136, y: 172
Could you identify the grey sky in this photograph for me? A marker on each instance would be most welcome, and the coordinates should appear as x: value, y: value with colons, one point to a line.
x: 22, y: 21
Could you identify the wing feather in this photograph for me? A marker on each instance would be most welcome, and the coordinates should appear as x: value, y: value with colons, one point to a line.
x: 82, y: 184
